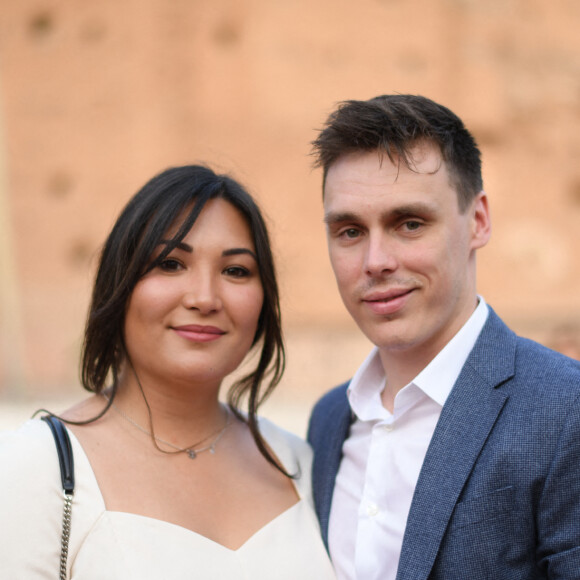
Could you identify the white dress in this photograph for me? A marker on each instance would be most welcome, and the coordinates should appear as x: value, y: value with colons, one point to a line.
x: 107, y: 545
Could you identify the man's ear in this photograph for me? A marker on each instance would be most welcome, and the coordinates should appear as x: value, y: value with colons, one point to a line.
x: 481, y: 221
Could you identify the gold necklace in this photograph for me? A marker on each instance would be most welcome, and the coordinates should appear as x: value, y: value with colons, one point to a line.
x: 191, y: 450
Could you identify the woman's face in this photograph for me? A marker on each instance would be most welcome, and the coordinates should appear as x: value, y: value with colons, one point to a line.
x: 193, y: 318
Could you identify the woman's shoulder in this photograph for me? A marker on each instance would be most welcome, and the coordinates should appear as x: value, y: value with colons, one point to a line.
x: 30, y: 468
x: 30, y: 500
x: 278, y: 436
x: 293, y: 452
x: 29, y: 449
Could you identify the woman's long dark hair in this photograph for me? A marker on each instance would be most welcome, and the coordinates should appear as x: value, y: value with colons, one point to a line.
x: 126, y: 257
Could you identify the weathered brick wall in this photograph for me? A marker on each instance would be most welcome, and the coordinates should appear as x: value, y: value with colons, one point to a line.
x: 96, y: 97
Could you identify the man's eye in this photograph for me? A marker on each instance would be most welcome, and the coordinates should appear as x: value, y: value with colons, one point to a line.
x: 351, y: 233
x: 413, y: 225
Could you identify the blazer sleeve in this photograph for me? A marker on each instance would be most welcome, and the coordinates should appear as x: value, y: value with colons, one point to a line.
x: 558, y: 518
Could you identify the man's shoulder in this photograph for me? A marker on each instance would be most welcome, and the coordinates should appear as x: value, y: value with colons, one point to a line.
x: 497, y: 336
x: 336, y: 397
x: 540, y: 369
x: 530, y: 353
x: 546, y: 364
x: 332, y: 409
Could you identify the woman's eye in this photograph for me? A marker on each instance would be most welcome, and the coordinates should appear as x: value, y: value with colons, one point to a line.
x: 170, y: 265
x: 237, y: 272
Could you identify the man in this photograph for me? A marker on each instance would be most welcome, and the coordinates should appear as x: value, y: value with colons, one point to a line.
x: 454, y: 452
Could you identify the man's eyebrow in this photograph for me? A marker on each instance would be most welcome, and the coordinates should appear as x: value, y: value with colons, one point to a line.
x: 410, y: 209
x: 337, y: 218
x: 237, y: 251
x: 414, y: 209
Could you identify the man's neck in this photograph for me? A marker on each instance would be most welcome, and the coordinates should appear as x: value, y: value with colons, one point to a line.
x: 400, y: 370
x: 401, y: 366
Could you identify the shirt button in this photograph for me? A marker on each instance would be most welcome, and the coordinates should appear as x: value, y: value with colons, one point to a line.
x: 372, y: 510
x: 388, y: 428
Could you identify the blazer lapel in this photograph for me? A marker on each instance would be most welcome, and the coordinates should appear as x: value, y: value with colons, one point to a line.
x: 328, y: 453
x: 465, y: 423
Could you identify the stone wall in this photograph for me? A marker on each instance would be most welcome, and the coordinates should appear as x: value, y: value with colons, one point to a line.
x: 96, y: 97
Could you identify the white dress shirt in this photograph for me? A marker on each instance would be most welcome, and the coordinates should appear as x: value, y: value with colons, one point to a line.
x: 383, y: 455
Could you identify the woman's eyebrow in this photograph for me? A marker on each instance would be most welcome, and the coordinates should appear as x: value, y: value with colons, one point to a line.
x: 181, y: 245
x: 236, y: 251
x: 230, y: 252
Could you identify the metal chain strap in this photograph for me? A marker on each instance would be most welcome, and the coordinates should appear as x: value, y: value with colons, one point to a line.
x: 67, y: 479
x: 66, y: 518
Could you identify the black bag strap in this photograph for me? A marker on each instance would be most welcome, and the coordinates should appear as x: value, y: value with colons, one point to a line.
x: 65, y: 454
x: 67, y: 476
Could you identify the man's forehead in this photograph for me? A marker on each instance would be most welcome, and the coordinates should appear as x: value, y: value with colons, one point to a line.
x: 422, y: 158
x: 373, y: 168
x: 364, y: 179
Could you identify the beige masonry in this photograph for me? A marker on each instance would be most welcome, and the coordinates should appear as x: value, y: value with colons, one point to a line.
x: 96, y: 97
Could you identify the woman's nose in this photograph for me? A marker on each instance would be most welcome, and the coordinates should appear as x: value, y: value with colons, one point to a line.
x: 202, y: 293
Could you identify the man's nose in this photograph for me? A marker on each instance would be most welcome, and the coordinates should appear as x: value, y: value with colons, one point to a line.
x: 380, y: 255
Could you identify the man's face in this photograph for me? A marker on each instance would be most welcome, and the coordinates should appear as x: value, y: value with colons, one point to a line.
x: 402, y: 252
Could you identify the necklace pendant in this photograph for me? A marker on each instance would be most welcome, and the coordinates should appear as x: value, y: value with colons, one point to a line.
x: 191, y: 453
x: 212, y: 450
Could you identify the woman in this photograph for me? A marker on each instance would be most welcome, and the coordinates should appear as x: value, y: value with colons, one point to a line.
x: 170, y: 483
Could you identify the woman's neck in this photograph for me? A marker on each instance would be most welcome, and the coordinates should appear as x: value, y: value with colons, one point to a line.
x: 179, y: 414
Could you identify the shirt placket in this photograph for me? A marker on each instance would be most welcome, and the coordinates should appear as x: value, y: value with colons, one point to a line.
x: 374, y: 523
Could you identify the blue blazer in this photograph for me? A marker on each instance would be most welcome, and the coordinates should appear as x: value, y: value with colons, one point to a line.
x: 498, y: 495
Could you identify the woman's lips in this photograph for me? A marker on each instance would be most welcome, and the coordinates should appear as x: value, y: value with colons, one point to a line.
x: 388, y: 302
x: 198, y: 333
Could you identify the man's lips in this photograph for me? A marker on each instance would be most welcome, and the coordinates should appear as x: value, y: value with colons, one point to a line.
x: 386, y: 302
x: 385, y: 295
x: 199, y: 333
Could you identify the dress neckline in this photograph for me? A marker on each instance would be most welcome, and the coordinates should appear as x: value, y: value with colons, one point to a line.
x: 273, y: 439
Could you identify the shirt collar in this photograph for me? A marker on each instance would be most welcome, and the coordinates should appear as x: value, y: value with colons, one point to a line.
x: 436, y: 380
x: 366, y: 386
